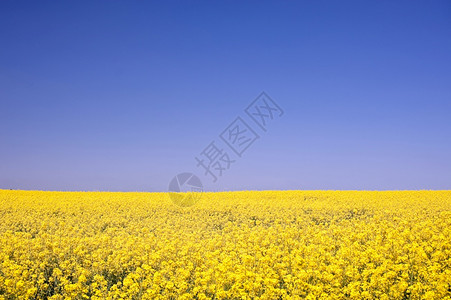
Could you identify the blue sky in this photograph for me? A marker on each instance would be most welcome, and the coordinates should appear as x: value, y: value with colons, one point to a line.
x: 123, y: 95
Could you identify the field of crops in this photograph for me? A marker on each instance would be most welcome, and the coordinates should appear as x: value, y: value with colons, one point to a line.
x: 235, y: 245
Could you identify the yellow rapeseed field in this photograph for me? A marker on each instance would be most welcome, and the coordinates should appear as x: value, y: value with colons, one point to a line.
x: 231, y: 245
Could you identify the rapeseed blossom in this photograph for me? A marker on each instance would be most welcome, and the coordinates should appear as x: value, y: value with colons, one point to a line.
x: 230, y: 245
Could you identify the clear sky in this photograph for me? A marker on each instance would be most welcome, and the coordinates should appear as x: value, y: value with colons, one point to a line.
x: 123, y: 95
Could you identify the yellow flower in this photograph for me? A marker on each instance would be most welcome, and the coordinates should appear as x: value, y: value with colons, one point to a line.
x: 247, y: 245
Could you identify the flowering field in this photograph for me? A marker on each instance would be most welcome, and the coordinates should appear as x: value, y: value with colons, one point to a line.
x: 235, y: 245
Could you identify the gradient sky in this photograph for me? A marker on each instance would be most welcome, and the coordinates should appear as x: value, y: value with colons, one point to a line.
x: 122, y: 95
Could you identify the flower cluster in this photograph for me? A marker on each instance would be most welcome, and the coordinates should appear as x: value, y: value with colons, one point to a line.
x: 230, y: 245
